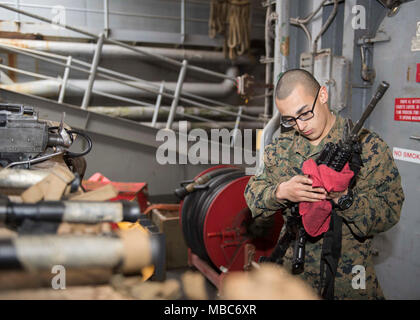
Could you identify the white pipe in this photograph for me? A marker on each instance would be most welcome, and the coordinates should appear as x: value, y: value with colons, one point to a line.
x: 51, y: 88
x: 140, y: 113
x: 114, y: 51
x: 209, y: 125
x: 281, y: 42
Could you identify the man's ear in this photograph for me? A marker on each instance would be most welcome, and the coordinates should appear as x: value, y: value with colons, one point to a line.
x: 323, y: 95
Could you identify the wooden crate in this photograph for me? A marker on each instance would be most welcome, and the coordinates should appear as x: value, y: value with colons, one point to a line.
x: 176, y: 249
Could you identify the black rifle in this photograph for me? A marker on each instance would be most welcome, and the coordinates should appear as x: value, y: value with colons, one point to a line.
x: 336, y: 156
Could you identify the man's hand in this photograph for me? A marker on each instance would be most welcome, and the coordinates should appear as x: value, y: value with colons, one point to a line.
x: 298, y: 189
x: 334, y: 196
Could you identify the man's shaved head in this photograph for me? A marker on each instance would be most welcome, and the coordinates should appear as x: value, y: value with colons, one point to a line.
x: 291, y: 78
x: 301, y: 100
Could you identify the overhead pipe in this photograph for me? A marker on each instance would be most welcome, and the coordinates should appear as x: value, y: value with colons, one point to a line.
x: 111, y: 75
x: 139, y: 113
x: 51, y: 88
x: 165, y: 94
x: 210, y: 125
x: 119, y: 43
x: 113, y: 51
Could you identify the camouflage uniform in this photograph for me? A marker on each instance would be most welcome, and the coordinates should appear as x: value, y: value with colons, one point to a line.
x: 378, y: 198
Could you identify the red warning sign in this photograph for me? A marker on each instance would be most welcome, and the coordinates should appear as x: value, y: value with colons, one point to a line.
x: 418, y: 73
x: 407, y: 109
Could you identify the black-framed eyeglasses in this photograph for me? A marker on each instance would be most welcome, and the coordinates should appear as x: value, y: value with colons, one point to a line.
x: 289, y: 121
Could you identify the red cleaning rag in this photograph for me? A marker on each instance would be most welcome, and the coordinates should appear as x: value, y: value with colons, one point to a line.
x: 316, y: 215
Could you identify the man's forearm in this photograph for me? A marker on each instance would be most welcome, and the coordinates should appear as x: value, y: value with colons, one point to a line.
x: 373, y: 212
x: 261, y: 198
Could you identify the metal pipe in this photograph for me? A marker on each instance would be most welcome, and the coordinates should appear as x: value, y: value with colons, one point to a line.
x: 173, y: 62
x: 128, y: 89
x: 18, y: 14
x: 106, y: 18
x: 182, y: 21
x: 5, y: 79
x: 36, y: 55
x: 281, y: 42
x: 119, y: 43
x: 104, y: 70
x: 21, y: 178
x: 178, y: 90
x: 92, y: 74
x: 112, y: 51
x: 146, y: 113
x: 323, y: 29
x: 115, y: 97
x: 34, y: 160
x: 268, y: 66
x: 64, y: 82
x: 236, y: 128
x: 50, y: 87
x: 129, y: 252
x: 213, y: 90
x: 305, y: 29
x: 266, y: 138
x: 44, y: 88
x: 28, y: 73
x: 138, y: 114
x: 158, y: 102
x: 312, y: 14
x: 209, y: 125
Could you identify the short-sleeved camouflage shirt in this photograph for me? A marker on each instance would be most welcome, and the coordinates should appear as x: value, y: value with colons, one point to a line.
x: 378, y: 198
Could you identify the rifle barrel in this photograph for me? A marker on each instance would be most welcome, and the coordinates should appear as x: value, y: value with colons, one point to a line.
x: 372, y: 104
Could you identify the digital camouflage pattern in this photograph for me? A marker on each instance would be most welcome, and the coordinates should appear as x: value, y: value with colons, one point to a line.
x: 378, y: 198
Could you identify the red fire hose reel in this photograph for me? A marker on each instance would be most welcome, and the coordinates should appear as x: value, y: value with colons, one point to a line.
x: 214, y: 218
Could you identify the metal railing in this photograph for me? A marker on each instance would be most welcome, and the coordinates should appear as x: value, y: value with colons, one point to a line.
x: 93, y: 70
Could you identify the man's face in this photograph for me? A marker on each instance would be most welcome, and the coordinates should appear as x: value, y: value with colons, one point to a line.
x: 299, y: 102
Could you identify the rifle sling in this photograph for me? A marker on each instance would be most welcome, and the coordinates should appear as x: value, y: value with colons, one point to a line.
x: 330, y: 254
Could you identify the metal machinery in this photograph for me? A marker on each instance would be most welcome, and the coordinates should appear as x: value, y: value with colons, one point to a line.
x: 215, y: 217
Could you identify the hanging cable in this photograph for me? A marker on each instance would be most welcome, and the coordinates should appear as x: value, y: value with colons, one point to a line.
x: 232, y: 20
x: 217, y: 20
x: 302, y: 22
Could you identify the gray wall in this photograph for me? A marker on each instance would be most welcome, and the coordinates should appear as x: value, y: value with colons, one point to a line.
x: 398, y: 262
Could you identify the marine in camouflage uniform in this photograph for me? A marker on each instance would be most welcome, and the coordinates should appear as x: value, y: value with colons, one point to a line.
x: 378, y: 198
x: 377, y: 194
